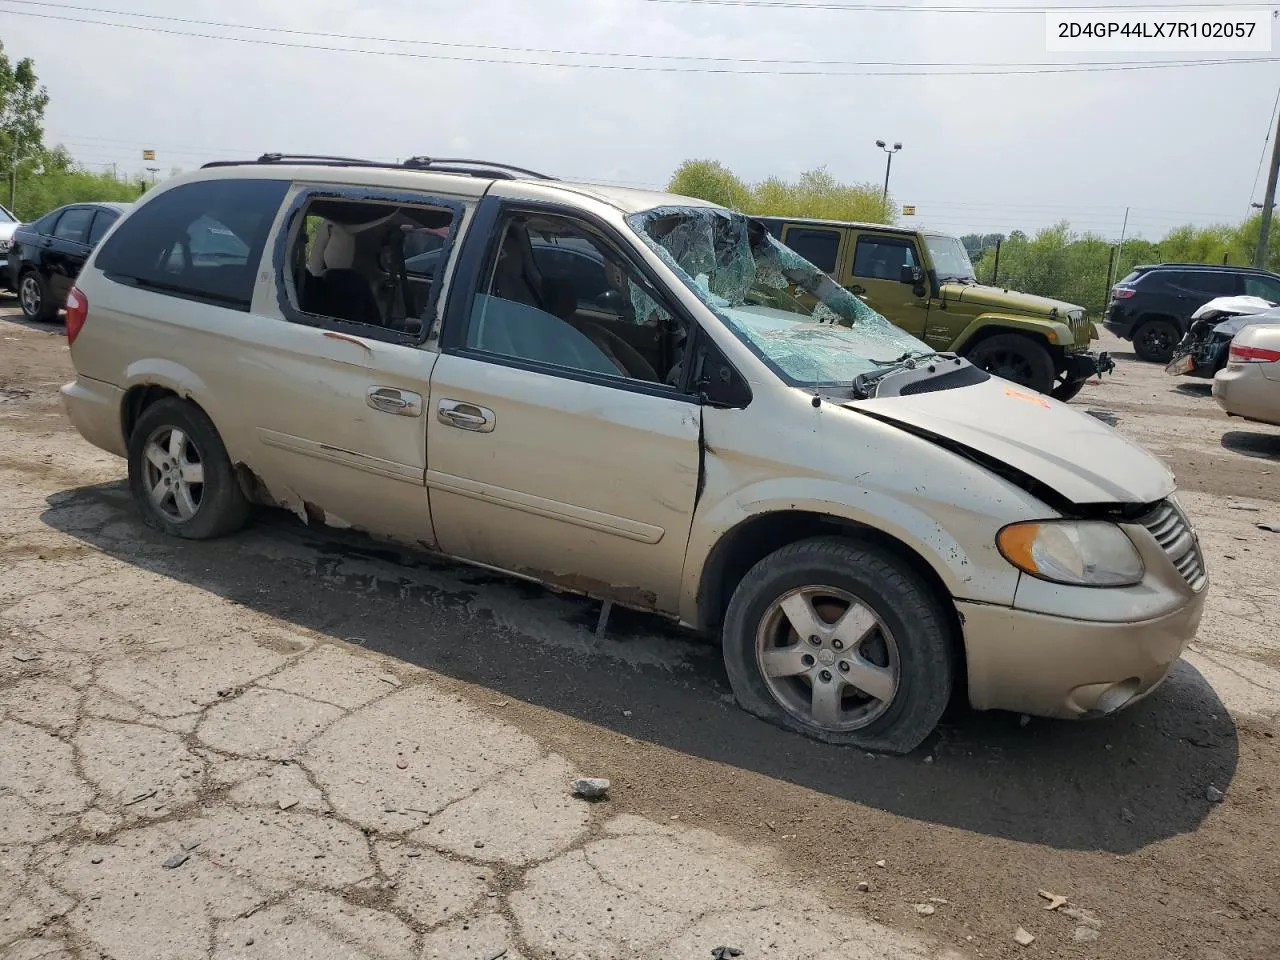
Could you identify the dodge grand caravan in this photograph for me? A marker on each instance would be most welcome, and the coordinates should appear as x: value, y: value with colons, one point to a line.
x: 642, y: 398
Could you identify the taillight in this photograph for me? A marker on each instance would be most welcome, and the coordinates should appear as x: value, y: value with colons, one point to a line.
x: 1243, y: 354
x: 1122, y: 293
x: 77, y: 311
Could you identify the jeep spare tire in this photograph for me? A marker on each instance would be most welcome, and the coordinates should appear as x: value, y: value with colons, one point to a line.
x: 1016, y: 357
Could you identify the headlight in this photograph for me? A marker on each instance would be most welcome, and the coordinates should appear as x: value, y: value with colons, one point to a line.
x: 1086, y: 553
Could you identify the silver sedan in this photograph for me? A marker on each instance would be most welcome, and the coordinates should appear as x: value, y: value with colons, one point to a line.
x: 1249, y: 385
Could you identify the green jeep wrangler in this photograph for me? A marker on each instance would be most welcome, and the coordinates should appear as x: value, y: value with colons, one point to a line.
x: 924, y: 283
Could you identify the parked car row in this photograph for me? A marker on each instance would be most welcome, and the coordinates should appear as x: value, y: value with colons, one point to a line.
x: 1154, y: 305
x: 1236, y: 342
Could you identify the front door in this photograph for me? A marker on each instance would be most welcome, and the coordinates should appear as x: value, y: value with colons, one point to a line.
x: 560, y: 443
x: 873, y: 272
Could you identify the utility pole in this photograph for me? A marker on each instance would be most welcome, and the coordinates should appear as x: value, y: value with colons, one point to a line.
x: 1111, y: 263
x: 1119, y: 247
x: 13, y: 176
x: 995, y: 268
x: 1269, y: 201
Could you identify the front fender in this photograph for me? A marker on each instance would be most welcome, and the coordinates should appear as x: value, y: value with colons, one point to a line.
x: 984, y: 577
x: 1057, y: 333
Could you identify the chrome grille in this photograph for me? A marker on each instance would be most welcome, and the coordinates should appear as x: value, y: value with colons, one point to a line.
x: 1173, y: 532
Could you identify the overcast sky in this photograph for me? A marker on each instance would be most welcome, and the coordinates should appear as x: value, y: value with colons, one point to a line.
x: 985, y: 153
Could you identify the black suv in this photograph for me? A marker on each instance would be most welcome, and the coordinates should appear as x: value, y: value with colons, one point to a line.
x: 1152, y: 306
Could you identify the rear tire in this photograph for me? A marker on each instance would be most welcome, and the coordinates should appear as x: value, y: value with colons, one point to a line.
x: 880, y: 679
x: 1155, y: 340
x: 180, y: 474
x: 35, y: 297
x: 1015, y: 357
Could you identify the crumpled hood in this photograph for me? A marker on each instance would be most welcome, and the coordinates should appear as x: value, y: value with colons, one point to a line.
x: 997, y: 298
x: 1233, y: 325
x: 1083, y: 460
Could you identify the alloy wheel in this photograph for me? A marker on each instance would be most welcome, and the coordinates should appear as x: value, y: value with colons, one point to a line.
x: 174, y: 474
x: 30, y: 295
x: 827, y: 658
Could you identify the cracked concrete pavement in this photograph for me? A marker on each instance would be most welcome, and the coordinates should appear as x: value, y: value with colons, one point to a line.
x: 344, y: 752
x: 326, y: 803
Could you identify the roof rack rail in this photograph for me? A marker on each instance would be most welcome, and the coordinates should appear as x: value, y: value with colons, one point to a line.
x: 505, y: 171
x: 470, y: 168
x: 302, y: 158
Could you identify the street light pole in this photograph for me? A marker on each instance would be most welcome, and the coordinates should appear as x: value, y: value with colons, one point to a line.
x: 888, y: 165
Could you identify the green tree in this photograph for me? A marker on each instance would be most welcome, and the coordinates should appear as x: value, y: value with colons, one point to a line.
x: 710, y: 180
x: 815, y: 194
x: 22, y: 103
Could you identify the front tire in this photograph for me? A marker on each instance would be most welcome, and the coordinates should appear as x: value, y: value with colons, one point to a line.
x: 35, y: 297
x: 1068, y: 389
x: 180, y: 474
x: 842, y: 642
x: 1015, y: 357
x: 1155, y: 341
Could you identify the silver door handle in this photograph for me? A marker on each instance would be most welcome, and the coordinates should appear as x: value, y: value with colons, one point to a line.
x: 404, y: 403
x: 466, y: 416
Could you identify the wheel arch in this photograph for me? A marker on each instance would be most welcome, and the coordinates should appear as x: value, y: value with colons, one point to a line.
x: 754, y: 538
x: 745, y: 545
x: 150, y: 381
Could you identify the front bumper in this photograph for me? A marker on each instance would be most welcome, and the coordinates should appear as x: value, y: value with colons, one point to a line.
x: 1054, y: 666
x: 1084, y: 364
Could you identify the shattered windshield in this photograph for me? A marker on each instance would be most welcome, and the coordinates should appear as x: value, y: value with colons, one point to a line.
x: 805, y: 326
x: 949, y: 257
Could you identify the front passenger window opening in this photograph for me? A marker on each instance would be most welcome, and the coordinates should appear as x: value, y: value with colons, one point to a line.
x: 367, y: 262
x: 558, y: 292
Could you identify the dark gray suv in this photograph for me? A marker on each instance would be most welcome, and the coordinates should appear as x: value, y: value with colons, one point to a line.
x: 1152, y: 306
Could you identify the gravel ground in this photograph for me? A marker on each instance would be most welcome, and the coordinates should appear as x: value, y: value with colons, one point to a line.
x: 372, y: 750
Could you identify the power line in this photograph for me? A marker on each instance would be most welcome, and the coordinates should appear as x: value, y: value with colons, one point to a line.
x: 934, y: 8
x: 550, y: 51
x: 645, y: 68
x: 1271, y: 117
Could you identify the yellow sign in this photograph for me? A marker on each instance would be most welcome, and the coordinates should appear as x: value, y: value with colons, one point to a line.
x: 148, y: 154
x: 908, y: 210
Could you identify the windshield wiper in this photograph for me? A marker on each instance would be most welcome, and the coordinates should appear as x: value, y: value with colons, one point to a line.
x: 864, y: 384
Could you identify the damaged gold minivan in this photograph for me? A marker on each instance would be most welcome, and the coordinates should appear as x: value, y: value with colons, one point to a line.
x: 624, y: 394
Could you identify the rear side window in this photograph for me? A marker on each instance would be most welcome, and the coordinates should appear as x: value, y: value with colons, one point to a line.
x: 202, y: 241
x: 74, y: 224
x: 101, y: 224
x: 819, y: 247
x: 1212, y: 281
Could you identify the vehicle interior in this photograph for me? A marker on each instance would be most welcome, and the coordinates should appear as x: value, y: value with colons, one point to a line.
x: 590, y: 308
x: 363, y: 262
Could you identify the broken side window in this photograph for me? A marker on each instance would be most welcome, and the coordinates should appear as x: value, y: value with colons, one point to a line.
x: 368, y: 262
